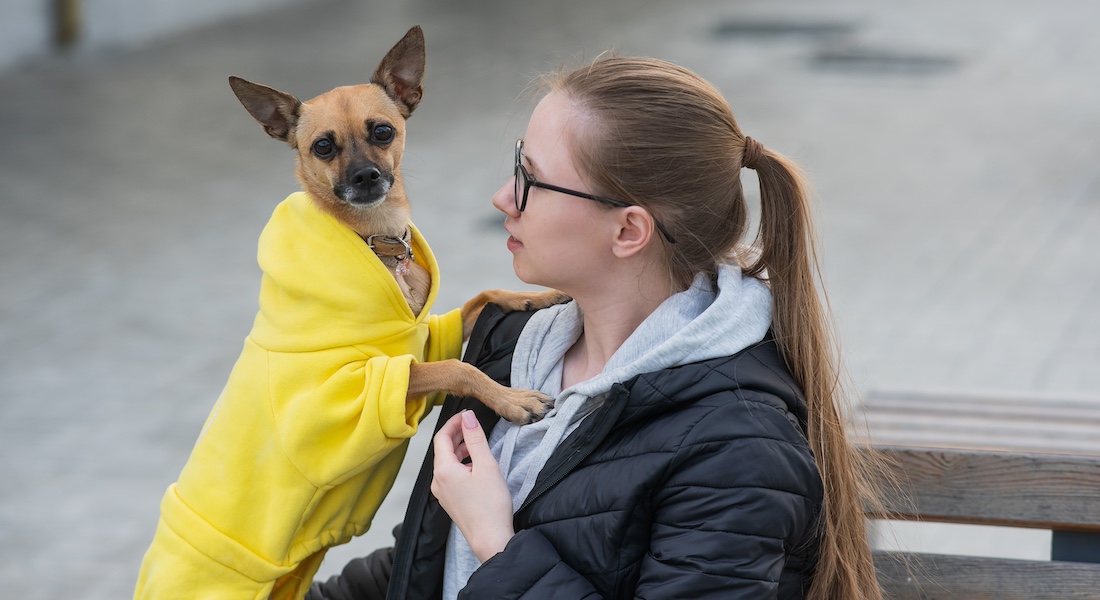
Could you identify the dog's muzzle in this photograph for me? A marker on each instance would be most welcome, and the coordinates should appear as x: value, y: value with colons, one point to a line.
x: 365, y: 186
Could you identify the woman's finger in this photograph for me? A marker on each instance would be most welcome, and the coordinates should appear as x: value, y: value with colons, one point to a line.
x: 447, y: 441
x: 477, y: 447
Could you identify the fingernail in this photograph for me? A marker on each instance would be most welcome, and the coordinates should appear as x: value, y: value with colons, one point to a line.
x: 469, y: 420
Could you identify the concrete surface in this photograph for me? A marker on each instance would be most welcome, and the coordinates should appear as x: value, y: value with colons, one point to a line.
x: 953, y: 147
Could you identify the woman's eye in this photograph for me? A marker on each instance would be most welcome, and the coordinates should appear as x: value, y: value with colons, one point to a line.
x: 382, y: 134
x: 323, y: 148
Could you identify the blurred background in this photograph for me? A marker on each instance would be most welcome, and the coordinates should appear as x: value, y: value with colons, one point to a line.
x: 953, y: 148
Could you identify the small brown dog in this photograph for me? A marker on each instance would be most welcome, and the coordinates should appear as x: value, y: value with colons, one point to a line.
x: 311, y: 428
x: 350, y: 141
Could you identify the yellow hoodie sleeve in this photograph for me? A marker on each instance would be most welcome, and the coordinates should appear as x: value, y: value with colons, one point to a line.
x: 336, y: 422
x: 445, y: 336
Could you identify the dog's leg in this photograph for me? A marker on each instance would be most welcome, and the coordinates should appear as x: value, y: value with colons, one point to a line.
x: 509, y: 301
x: 520, y: 406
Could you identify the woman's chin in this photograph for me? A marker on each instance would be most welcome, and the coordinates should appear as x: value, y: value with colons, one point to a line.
x: 523, y: 274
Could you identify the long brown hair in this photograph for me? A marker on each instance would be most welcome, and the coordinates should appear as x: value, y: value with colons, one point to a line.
x: 663, y: 138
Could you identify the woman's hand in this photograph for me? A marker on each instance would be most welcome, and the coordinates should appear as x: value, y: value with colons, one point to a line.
x: 475, y: 495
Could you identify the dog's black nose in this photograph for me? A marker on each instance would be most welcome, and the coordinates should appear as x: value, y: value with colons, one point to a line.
x: 364, y: 178
x: 366, y: 184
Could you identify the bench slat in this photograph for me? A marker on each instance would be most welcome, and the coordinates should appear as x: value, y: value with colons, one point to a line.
x: 1001, y: 422
x: 1046, y: 491
x: 906, y: 576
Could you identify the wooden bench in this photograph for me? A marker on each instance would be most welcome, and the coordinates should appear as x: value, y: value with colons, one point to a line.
x: 1021, y: 478
x: 1056, y: 492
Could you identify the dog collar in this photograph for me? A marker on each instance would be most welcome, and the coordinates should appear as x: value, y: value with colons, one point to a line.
x: 392, y: 251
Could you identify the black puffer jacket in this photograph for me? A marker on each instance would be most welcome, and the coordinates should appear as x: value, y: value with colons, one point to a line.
x: 691, y: 482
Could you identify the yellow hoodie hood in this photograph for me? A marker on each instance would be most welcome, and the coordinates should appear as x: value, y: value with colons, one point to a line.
x: 323, y: 286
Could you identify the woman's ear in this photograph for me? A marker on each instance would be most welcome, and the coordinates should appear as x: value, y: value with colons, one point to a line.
x: 634, y: 230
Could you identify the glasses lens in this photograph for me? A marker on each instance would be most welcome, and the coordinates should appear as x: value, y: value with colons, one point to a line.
x: 519, y: 179
x: 519, y: 189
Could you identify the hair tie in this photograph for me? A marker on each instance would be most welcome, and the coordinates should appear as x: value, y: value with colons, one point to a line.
x: 754, y: 151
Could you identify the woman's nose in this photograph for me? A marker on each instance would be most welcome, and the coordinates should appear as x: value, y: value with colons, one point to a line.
x: 505, y: 199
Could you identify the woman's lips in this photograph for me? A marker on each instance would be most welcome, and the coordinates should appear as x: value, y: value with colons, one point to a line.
x: 514, y: 244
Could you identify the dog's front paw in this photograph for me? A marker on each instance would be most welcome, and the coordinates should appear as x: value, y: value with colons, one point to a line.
x: 544, y: 299
x: 526, y: 406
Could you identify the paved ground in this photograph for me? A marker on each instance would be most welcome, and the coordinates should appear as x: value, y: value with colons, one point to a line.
x: 953, y: 147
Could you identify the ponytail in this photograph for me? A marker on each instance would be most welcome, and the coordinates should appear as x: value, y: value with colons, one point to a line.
x: 787, y: 259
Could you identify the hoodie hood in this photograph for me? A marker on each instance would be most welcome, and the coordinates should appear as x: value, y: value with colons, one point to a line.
x: 703, y: 322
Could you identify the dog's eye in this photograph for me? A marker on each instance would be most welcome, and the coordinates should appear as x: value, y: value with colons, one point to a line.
x: 323, y: 148
x: 382, y: 134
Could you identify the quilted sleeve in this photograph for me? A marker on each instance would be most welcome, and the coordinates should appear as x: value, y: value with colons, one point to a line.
x: 529, y: 567
x: 742, y: 491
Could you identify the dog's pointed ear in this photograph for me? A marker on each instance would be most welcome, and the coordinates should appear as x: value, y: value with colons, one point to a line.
x: 401, y: 72
x: 276, y: 111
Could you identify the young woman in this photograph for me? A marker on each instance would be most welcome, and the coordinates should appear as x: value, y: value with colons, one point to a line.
x: 696, y: 448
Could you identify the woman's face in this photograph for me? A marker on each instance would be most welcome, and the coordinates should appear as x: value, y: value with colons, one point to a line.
x: 558, y: 241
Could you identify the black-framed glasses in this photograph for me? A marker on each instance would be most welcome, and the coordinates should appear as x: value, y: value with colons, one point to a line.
x: 525, y: 181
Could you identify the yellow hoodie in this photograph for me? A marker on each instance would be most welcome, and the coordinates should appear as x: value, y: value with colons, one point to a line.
x: 308, y: 435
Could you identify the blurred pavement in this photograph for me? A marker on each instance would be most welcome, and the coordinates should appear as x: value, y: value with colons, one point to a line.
x: 953, y: 147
